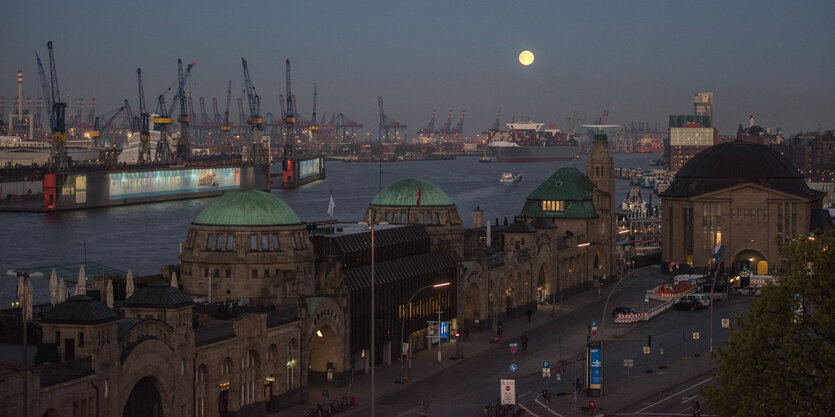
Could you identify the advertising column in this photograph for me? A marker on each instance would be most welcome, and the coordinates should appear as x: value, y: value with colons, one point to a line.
x: 594, y: 369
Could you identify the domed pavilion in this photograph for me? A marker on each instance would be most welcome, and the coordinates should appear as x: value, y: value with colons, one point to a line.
x: 738, y: 195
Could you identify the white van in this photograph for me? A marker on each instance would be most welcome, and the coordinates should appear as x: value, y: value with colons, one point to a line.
x: 704, y: 299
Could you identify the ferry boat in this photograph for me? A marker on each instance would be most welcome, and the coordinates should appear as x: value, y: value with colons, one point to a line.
x: 510, y: 178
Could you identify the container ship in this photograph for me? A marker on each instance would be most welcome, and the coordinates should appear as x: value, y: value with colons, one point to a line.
x: 526, y: 141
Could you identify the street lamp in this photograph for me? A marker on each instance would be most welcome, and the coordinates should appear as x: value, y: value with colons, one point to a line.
x: 403, y: 323
x: 25, y: 275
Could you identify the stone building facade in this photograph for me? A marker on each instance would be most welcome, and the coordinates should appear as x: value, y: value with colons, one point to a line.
x: 743, y: 197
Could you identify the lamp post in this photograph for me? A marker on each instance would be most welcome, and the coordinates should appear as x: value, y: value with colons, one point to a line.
x: 403, y: 323
x: 25, y: 275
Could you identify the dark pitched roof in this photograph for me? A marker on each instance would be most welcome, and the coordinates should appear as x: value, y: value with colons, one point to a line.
x: 80, y: 309
x: 158, y: 295
x: 733, y: 163
x: 568, y: 185
x: 520, y: 227
x: 399, y: 269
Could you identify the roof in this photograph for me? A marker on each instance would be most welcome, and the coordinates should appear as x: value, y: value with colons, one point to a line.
x: 399, y: 269
x: 733, y: 163
x: 80, y: 309
x: 247, y: 208
x: 158, y: 295
x: 520, y: 227
x: 568, y: 185
x: 407, y: 193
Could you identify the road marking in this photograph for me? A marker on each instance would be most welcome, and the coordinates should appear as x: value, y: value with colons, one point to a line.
x: 546, y: 408
x: 673, y: 395
x: 685, y: 400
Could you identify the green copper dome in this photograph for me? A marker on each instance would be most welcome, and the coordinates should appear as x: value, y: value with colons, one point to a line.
x: 247, y: 208
x: 404, y: 193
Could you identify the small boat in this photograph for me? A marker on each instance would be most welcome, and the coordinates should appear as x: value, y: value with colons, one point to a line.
x: 485, y: 158
x: 510, y: 178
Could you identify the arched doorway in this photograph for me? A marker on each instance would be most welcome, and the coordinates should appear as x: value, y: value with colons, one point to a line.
x: 50, y: 413
x: 762, y: 267
x: 325, y: 355
x: 748, y: 260
x: 472, y: 307
x: 144, y: 400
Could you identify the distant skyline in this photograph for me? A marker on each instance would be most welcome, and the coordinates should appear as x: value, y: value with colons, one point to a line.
x: 641, y: 60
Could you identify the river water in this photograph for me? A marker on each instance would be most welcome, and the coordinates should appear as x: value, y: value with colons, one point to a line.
x: 145, y: 237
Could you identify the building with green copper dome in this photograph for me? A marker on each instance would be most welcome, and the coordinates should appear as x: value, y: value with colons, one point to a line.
x: 414, y: 201
x: 239, y: 243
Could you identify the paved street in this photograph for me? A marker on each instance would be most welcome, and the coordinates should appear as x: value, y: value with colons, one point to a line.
x: 462, y: 387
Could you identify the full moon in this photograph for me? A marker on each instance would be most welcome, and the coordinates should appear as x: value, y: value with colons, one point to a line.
x: 526, y: 58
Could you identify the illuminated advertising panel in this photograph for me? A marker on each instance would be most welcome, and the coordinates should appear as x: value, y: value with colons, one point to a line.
x: 595, y: 368
x: 181, y: 181
x: 308, y: 167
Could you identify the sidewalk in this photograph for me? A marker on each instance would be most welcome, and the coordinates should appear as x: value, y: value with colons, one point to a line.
x: 425, y: 362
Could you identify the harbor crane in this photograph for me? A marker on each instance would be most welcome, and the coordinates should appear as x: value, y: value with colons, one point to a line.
x: 289, y: 120
x: 497, y: 124
x: 429, y: 130
x: 459, y: 128
x: 314, y: 126
x: 57, y: 121
x: 388, y: 127
x: 144, y: 122
x: 260, y: 153
x: 183, y: 143
x: 96, y: 133
x: 132, y: 119
x: 446, y: 129
x: 226, y: 128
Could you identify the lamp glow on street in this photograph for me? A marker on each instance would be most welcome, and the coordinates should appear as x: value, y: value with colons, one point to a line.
x: 319, y: 333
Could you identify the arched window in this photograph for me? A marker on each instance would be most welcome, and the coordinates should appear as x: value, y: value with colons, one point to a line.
x: 292, y: 363
x: 249, y: 371
x: 226, y: 367
x: 272, y: 352
x: 201, y: 383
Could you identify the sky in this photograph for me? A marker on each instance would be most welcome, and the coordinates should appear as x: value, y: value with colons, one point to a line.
x: 640, y: 60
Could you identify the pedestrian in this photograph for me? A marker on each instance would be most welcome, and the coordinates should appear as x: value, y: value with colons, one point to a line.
x: 697, y: 409
x: 529, y: 313
x: 499, y: 328
x: 466, y: 332
x: 525, y: 342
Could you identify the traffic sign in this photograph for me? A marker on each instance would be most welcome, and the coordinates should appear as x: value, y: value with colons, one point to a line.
x: 546, y: 364
x: 508, y: 391
x: 646, y: 350
x: 695, y: 335
x: 513, y: 367
x: 513, y: 347
x: 546, y: 372
x: 628, y: 363
x: 646, y: 298
x: 726, y: 323
x: 593, y: 324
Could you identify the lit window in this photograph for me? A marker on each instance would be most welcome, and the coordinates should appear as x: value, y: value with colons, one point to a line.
x: 551, y: 205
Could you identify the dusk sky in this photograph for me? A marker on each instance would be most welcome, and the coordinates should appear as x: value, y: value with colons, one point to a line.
x: 641, y: 60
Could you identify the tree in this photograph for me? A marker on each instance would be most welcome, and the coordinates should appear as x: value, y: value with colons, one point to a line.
x: 780, y: 359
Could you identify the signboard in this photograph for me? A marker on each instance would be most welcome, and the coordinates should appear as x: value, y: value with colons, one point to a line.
x: 628, y: 363
x: 136, y: 184
x: 595, y: 368
x: 404, y: 349
x: 508, y: 391
x: 646, y: 298
x: 513, y: 347
x: 308, y: 167
x: 445, y: 331
x: 594, y: 328
x: 546, y: 369
x: 695, y: 335
x: 546, y: 364
x: 726, y: 323
x: 431, y: 330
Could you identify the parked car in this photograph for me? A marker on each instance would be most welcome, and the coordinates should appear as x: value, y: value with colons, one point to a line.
x: 749, y: 290
x: 688, y: 303
x: 624, y: 310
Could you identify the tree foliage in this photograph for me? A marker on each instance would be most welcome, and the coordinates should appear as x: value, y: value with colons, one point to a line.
x: 780, y: 358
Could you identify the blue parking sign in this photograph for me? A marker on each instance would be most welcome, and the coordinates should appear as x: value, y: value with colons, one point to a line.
x: 546, y: 364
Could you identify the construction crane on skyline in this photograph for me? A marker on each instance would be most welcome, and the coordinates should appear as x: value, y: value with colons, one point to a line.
x: 226, y: 128
x: 144, y: 121
x: 98, y: 129
x: 388, y: 127
x: 289, y: 120
x: 60, y: 160
x: 183, y: 142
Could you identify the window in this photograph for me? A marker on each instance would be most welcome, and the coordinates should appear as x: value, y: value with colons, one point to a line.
x: 206, y: 272
x: 217, y: 273
x: 57, y: 340
x: 80, y: 339
x: 202, y: 384
x: 272, y: 353
x: 210, y: 241
x: 228, y: 273
x: 276, y: 247
x: 293, y: 240
x: 403, y: 218
x: 265, y: 243
x: 253, y: 242
x: 250, y: 377
x: 230, y: 242
x: 437, y: 218
x: 266, y: 273
x: 219, y: 242
x: 226, y: 367
x: 254, y: 273
x: 551, y: 205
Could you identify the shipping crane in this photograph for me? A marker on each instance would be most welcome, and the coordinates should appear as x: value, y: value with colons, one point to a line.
x: 289, y: 119
x: 38, y: 108
x: 259, y: 155
x: 388, y: 127
x: 429, y: 129
x: 446, y: 129
x: 96, y: 133
x: 144, y: 122
x: 226, y: 128
x: 459, y: 128
x: 183, y: 142
x: 57, y: 121
x: 91, y: 116
x: 241, y: 117
x: 132, y: 119
x: 497, y: 124
x: 314, y: 126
